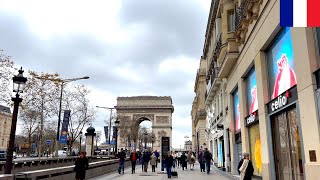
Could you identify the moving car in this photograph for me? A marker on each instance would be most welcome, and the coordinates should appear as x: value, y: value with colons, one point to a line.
x: 62, y: 153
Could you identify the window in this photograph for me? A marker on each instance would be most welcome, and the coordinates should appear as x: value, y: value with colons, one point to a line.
x: 231, y: 23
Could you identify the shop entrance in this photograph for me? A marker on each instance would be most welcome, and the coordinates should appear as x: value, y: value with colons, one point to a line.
x: 286, y: 146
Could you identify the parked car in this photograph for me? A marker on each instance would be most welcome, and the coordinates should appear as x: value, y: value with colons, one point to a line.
x: 62, y: 153
x: 3, y: 155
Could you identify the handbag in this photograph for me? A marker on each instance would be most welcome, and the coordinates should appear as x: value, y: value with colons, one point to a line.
x: 174, y: 173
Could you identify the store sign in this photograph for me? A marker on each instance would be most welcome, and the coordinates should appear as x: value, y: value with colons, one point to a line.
x: 283, y: 100
x: 252, y: 118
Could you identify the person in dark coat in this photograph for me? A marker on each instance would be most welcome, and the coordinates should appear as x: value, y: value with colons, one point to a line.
x: 169, y: 164
x: 208, y: 159
x: 146, y: 159
x: 245, y: 167
x: 122, y: 158
x: 156, y: 153
x: 201, y: 161
x: 133, y: 159
x: 184, y: 161
x: 81, y: 165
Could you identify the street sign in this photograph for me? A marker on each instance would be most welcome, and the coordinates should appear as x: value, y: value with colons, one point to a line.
x: 48, y: 142
x: 113, y: 142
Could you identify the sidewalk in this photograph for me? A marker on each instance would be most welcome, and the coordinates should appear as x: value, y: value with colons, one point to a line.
x: 185, y: 175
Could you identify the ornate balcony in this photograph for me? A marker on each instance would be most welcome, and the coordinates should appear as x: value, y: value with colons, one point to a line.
x: 246, y: 12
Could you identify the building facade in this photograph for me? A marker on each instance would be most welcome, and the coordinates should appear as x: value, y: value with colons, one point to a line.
x: 198, y: 113
x: 5, y: 126
x: 263, y: 92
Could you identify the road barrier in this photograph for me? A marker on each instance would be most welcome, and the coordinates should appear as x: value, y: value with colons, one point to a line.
x: 45, y: 163
x: 66, y: 172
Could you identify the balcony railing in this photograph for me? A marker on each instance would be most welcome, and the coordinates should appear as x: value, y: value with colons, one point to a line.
x: 241, y: 12
x: 217, y: 48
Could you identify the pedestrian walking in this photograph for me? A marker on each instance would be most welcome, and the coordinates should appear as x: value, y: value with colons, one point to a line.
x: 156, y: 153
x: 146, y: 159
x: 169, y: 163
x: 133, y: 159
x: 174, y: 155
x: 208, y: 159
x: 201, y: 161
x: 178, y: 158
x: 122, y: 157
x: 184, y: 161
x: 153, y: 162
x: 245, y: 167
x: 81, y: 165
x: 191, y: 160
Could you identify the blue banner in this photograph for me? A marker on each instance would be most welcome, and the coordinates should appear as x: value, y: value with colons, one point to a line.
x: 113, y: 141
x: 106, y: 130
x: 64, y: 128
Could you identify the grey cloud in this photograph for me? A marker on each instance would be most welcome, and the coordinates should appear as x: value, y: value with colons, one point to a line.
x: 165, y: 29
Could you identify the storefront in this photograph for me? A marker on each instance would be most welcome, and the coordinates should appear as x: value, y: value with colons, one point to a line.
x: 252, y: 122
x: 283, y: 110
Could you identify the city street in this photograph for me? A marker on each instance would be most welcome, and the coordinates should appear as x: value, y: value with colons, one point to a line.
x: 186, y: 174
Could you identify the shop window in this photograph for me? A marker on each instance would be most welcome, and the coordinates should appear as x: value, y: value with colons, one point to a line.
x: 236, y: 110
x: 255, y: 149
x: 281, y: 69
x: 231, y: 21
x: 252, y: 95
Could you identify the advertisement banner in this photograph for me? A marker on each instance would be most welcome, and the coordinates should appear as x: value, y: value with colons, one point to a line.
x: 236, y: 110
x: 252, y: 97
x: 281, y: 69
x: 113, y: 140
x: 64, y: 128
x: 106, y: 130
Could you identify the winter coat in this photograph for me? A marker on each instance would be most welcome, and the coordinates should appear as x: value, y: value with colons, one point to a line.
x: 153, y: 160
x: 169, y: 161
x: 146, y: 157
x: 201, y: 158
x: 81, y: 165
x: 207, y: 156
x: 249, y: 171
x: 191, y: 159
x: 183, y: 160
x: 131, y: 156
x: 122, y: 155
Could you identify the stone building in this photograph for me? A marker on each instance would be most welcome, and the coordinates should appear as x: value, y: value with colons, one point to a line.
x: 198, y: 113
x: 5, y: 126
x: 263, y: 93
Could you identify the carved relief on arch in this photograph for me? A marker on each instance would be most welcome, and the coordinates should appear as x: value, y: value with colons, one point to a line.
x: 148, y: 116
x: 162, y: 119
x: 161, y: 133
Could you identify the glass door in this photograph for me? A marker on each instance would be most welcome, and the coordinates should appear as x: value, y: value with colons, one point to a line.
x: 286, y: 146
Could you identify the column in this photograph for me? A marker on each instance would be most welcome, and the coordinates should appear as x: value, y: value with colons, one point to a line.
x: 263, y: 98
x: 305, y: 65
x: 243, y: 114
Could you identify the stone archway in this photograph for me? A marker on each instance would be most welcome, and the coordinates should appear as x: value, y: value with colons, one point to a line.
x: 131, y: 111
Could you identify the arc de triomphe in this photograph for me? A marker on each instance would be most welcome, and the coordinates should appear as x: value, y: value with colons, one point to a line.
x: 131, y: 111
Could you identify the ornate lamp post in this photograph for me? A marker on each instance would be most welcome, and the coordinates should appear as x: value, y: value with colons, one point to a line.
x: 18, y: 85
x: 80, y: 134
x: 145, y: 140
x: 116, y: 125
x: 152, y: 141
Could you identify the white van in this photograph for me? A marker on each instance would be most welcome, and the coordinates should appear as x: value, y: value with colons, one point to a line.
x: 62, y: 153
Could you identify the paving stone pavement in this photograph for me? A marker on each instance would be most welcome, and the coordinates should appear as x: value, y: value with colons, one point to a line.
x: 185, y: 175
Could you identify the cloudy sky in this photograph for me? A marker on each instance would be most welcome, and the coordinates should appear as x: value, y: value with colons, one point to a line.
x: 127, y: 47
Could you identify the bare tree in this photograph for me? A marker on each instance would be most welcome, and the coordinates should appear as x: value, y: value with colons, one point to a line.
x: 6, y: 74
x: 37, y: 97
x: 29, y: 122
x: 81, y: 112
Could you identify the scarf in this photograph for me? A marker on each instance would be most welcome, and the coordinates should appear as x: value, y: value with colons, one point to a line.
x: 243, y: 168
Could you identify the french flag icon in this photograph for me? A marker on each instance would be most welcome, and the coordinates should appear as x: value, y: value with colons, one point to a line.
x: 300, y: 13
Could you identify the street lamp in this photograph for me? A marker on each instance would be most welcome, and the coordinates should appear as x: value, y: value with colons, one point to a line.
x: 109, y: 133
x: 116, y: 125
x: 80, y: 134
x: 18, y: 85
x: 145, y: 140
x: 63, y: 82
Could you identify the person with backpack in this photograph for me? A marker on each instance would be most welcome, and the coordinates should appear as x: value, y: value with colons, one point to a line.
x: 146, y: 159
x: 208, y: 159
x: 122, y: 157
x: 184, y: 161
x: 133, y: 158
